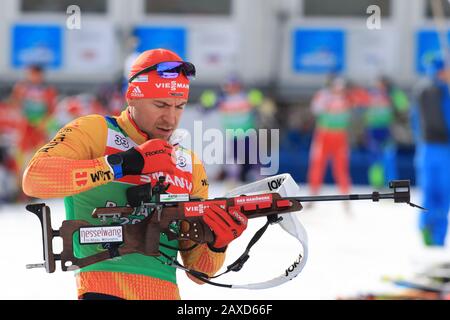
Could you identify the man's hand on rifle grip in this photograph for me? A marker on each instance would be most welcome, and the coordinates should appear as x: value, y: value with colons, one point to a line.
x: 226, y: 225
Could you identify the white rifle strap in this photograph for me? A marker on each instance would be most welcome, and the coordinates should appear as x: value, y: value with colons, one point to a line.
x: 285, y: 185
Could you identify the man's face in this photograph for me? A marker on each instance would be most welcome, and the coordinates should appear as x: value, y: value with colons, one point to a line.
x: 338, y: 86
x: 157, y: 117
x: 34, y: 76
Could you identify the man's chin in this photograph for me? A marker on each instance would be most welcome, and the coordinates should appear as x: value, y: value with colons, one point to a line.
x: 161, y: 135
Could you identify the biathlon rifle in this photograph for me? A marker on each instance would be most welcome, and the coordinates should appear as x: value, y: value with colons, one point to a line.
x: 177, y: 215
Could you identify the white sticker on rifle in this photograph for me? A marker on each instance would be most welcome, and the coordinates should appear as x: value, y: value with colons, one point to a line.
x: 252, y: 199
x: 91, y: 235
x: 174, y: 197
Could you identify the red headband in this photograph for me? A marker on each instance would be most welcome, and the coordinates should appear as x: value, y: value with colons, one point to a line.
x: 151, y: 85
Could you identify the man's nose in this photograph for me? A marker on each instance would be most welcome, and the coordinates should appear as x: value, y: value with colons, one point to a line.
x: 170, y: 115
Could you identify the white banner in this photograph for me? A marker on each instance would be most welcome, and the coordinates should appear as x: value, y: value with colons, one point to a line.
x: 213, y: 49
x: 371, y: 52
x: 91, y: 48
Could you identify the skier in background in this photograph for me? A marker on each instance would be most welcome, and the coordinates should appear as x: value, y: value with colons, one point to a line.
x: 385, y: 101
x: 332, y: 109
x: 431, y: 125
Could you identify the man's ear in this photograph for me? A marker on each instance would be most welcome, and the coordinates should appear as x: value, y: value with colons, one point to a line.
x: 130, y: 108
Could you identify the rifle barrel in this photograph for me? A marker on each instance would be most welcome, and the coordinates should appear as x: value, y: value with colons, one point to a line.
x: 373, y: 196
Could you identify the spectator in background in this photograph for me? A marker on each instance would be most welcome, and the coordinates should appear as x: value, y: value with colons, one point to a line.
x: 359, y: 98
x: 358, y: 95
x: 10, y: 125
x: 385, y: 101
x: 332, y: 109
x: 431, y: 123
x: 238, y: 109
x: 36, y: 101
x: 72, y: 107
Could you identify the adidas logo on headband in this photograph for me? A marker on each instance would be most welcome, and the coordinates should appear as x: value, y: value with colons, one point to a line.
x: 136, y: 92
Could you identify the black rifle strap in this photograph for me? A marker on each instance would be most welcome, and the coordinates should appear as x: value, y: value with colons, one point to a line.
x: 235, y: 266
x: 197, y: 274
x: 239, y: 263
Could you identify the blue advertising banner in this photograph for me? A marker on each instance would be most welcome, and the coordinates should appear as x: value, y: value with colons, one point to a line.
x: 36, y: 44
x: 427, y: 47
x: 318, y: 50
x: 172, y: 38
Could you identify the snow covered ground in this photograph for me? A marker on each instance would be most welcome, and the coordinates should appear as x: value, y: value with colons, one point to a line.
x: 349, y: 253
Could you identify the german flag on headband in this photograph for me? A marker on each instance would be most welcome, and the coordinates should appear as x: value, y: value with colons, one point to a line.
x: 150, y: 84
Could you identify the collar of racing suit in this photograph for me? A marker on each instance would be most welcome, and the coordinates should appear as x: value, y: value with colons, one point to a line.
x: 130, y: 127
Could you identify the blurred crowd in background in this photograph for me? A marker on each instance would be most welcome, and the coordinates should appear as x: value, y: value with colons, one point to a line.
x: 373, y: 118
x: 32, y: 113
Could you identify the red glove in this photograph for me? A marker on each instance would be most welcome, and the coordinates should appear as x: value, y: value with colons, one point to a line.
x: 226, y: 225
x: 158, y: 155
x: 152, y: 156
